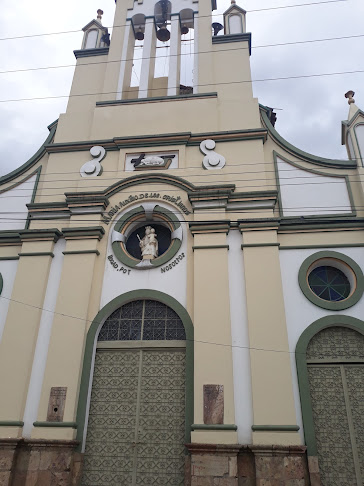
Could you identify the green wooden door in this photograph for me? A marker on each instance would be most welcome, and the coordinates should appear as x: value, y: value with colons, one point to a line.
x: 335, y: 359
x: 136, y: 423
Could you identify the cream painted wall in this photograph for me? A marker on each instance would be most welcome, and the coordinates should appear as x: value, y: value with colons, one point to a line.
x: 8, y: 271
x: 240, y: 340
x: 304, y: 193
x: 359, y: 132
x: 13, y: 205
x: 300, y: 312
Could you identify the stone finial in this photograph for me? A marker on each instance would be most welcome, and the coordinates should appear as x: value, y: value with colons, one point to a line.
x: 100, y: 13
x: 233, y: 2
x: 350, y: 94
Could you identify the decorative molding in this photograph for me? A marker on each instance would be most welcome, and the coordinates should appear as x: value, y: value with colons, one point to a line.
x: 212, y: 159
x: 314, y: 247
x: 11, y: 423
x: 71, y: 425
x: 214, y: 427
x: 275, y: 428
x: 33, y: 160
x: 37, y: 253
x: 96, y: 324
x: 223, y: 39
x: 210, y: 247
x: 257, y: 245
x: 157, y: 99
x: 83, y: 233
x: 9, y: 258
x: 338, y: 164
x: 51, y: 234
x: 81, y: 252
x: 200, y: 227
x: 355, y: 294
x: 101, y: 51
x: 93, y: 168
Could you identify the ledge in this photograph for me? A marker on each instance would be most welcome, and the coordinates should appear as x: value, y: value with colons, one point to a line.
x: 11, y: 423
x: 157, y: 99
x: 214, y: 427
x: 275, y: 428
x: 71, y: 425
x: 102, y: 51
x: 83, y: 232
x: 223, y: 39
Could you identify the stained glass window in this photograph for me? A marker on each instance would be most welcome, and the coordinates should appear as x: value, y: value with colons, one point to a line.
x: 329, y: 283
x: 143, y: 319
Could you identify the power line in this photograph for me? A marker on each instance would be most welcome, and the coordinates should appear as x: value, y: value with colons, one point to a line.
x: 309, y: 41
x: 281, y: 78
x: 200, y: 16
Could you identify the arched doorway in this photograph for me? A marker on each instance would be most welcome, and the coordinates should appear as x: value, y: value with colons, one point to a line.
x: 136, y: 422
x: 332, y: 398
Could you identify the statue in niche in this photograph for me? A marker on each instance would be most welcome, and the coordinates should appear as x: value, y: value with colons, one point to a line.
x: 149, y: 244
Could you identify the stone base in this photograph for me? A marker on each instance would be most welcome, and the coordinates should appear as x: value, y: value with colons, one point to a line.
x: 39, y: 463
x: 235, y: 465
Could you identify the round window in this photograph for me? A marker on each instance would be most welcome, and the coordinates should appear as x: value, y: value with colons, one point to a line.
x: 329, y: 283
x: 331, y: 280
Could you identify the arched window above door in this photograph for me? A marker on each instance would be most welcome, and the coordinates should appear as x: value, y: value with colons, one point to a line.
x: 147, y: 320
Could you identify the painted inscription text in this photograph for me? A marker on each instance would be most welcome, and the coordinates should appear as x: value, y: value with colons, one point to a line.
x: 116, y: 265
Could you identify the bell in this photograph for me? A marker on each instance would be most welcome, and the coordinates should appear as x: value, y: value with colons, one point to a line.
x: 163, y: 34
x: 139, y: 35
x: 184, y: 30
x: 217, y: 27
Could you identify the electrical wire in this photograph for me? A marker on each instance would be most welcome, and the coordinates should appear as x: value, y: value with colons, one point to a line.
x: 200, y: 16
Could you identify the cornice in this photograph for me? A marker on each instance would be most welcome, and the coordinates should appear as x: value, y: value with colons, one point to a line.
x: 52, y: 234
x: 164, y: 139
x: 101, y: 51
x: 80, y: 233
x: 204, y: 227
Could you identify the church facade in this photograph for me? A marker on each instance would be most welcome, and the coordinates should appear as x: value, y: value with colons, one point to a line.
x: 181, y: 289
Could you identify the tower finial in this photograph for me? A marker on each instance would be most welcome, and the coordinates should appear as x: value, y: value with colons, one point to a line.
x: 100, y: 13
x: 350, y: 95
x: 233, y: 2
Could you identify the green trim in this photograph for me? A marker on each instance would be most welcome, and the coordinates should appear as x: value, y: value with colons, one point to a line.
x: 275, y: 428
x: 357, y: 142
x: 302, y: 373
x: 119, y: 248
x: 223, y: 39
x: 84, y: 232
x: 1, y: 283
x: 101, y: 51
x: 71, y: 425
x: 33, y: 160
x: 214, y: 427
x: 35, y: 188
x: 257, y: 245
x: 304, y: 247
x: 157, y: 98
x: 312, y: 297
x: 81, y: 252
x: 37, y: 253
x: 51, y: 234
x: 209, y: 247
x: 92, y: 336
x: 317, y: 172
x: 11, y: 423
x: 9, y: 258
x: 288, y: 224
x: 338, y: 164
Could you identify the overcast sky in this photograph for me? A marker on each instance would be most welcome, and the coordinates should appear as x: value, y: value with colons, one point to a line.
x: 311, y: 108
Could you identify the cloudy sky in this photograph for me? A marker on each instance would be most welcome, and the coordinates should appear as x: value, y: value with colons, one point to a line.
x: 310, y: 108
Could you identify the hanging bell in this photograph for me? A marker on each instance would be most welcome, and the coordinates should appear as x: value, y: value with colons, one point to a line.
x: 163, y: 34
x: 217, y: 27
x: 184, y: 30
x: 139, y: 35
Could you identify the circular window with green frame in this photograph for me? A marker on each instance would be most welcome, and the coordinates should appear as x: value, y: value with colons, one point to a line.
x: 164, y: 230
x: 331, y: 280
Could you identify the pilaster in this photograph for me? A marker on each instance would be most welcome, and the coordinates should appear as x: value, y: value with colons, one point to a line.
x: 214, y: 417
x: 270, y: 359
x: 69, y: 330
x: 21, y: 327
x: 148, y: 58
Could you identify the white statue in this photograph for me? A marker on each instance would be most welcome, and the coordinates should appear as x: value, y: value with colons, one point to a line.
x: 149, y: 244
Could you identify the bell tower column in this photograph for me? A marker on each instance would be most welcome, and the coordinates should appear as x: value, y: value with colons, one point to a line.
x: 174, y: 57
x: 126, y: 65
x: 148, y: 62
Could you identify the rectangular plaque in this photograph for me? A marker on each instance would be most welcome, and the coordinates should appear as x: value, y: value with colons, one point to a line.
x: 56, y: 404
x: 213, y: 404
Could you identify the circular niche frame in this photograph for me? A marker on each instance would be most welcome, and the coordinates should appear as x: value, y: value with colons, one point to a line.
x: 143, y: 215
x: 343, y: 263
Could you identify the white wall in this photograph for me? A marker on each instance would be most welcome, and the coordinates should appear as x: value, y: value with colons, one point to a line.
x: 304, y: 193
x: 300, y: 312
x: 240, y: 340
x: 8, y: 271
x: 13, y: 210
